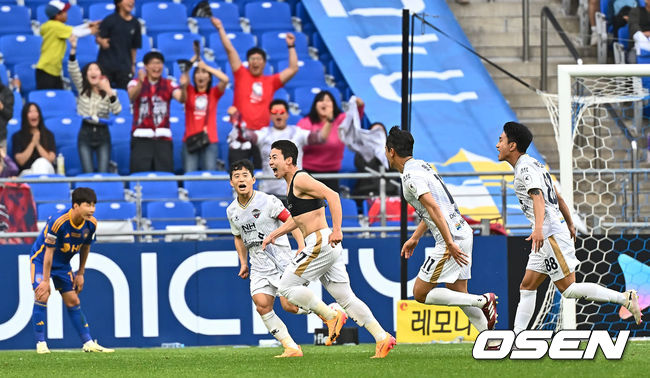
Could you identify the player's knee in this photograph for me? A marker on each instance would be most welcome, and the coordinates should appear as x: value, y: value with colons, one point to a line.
x: 72, y: 302
x: 43, y: 297
x: 263, y: 308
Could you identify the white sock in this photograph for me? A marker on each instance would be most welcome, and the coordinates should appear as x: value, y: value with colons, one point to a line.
x: 525, y: 309
x: 305, y: 298
x: 356, y: 309
x: 278, y: 329
x: 376, y: 331
x: 302, y: 311
x: 444, y: 296
x: 476, y: 317
x: 593, y: 292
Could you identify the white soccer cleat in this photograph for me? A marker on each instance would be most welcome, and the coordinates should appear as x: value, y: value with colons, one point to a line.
x: 41, y: 347
x: 632, y: 304
x: 92, y: 346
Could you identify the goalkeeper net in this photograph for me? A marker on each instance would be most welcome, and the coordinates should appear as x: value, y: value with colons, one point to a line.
x: 600, y: 127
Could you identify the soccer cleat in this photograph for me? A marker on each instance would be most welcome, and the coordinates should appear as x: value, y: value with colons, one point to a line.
x: 384, y: 346
x: 490, y: 309
x: 632, y: 304
x: 41, y: 347
x: 92, y: 346
x: 291, y: 352
x: 334, y: 326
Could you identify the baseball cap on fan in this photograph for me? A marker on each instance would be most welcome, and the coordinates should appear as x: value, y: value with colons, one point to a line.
x: 55, y: 7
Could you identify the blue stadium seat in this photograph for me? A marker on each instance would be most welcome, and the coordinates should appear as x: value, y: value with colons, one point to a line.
x: 27, y: 74
x: 123, y: 96
x: 223, y: 128
x: 154, y: 189
x: 65, y: 129
x: 214, y: 213
x: 350, y: 213
x: 275, y: 45
x: 115, y: 210
x: 49, y: 191
x: 20, y: 48
x: 4, y: 74
x: 308, y: 26
x: 166, y: 213
x: 33, y: 4
x: 120, y: 154
x: 310, y: 74
x: 106, y: 190
x: 12, y: 127
x: 87, y: 50
x: 14, y: 19
x: 146, y: 47
x: 208, y: 190
x: 624, y: 36
x: 282, y: 94
x: 139, y: 5
x: 176, y: 46
x: 268, y: 16
x: 51, y: 209
x: 242, y: 42
x: 226, y: 100
x: 164, y: 17
x: 54, y: 102
x: 99, y: 10
x: 324, y: 54
x: 304, y: 97
x: 70, y: 153
x: 294, y: 118
x: 121, y: 129
x: 75, y: 15
x: 177, y: 125
x: 228, y: 13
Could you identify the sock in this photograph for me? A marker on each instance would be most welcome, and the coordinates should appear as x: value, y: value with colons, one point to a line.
x: 444, y: 296
x: 476, y: 317
x: 302, y: 311
x: 356, y: 309
x: 79, y: 321
x: 593, y: 292
x: 376, y: 331
x: 305, y: 298
x: 525, y: 309
x: 278, y: 329
x: 39, y: 317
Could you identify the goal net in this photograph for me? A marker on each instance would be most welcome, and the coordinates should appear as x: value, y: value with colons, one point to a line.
x: 601, y: 130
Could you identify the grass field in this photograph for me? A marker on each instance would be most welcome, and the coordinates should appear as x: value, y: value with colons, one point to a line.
x: 406, y: 360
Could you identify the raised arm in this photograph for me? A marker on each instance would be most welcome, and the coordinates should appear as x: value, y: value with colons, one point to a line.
x: 286, y: 227
x: 289, y: 72
x: 233, y: 56
x: 180, y: 94
x: 134, y: 90
x: 223, y: 78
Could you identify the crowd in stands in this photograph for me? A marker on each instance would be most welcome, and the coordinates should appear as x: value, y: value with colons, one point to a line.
x: 628, y: 21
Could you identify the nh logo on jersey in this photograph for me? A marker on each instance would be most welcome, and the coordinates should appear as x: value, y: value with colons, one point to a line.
x: 250, y: 227
x: 564, y: 345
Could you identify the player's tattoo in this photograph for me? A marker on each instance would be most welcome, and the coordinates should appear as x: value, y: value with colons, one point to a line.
x: 534, y: 192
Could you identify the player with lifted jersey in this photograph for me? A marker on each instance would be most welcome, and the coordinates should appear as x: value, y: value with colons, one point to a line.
x: 553, y: 236
x: 252, y: 216
x: 451, y: 259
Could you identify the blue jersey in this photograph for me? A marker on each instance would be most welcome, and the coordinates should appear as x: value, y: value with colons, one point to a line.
x: 65, y: 237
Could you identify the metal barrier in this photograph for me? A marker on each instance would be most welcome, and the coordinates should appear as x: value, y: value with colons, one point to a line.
x: 547, y: 15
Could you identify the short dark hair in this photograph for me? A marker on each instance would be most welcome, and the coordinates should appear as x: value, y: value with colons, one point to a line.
x: 242, y: 164
x: 256, y: 50
x: 518, y: 133
x: 83, y: 195
x: 288, y: 149
x: 279, y: 101
x: 153, y: 55
x: 401, y: 141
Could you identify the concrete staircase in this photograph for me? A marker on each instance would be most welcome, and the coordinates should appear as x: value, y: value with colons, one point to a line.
x: 495, y: 31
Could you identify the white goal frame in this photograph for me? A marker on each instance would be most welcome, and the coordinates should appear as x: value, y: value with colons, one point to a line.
x: 565, y: 75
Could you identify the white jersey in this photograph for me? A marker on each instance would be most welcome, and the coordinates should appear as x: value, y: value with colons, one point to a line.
x: 265, y: 138
x: 419, y: 178
x: 253, y: 222
x: 531, y: 174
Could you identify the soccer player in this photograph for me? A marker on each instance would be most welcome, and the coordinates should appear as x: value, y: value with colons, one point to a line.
x: 63, y: 236
x: 427, y: 193
x: 553, y: 251
x: 321, y: 258
x: 252, y: 216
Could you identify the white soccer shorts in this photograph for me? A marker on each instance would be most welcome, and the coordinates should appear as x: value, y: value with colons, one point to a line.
x: 556, y: 258
x: 440, y: 267
x: 265, y: 282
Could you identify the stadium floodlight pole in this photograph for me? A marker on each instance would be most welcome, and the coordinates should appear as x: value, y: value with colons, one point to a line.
x: 405, y: 126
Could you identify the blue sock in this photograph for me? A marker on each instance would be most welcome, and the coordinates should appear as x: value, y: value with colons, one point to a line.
x: 79, y: 321
x: 39, y: 317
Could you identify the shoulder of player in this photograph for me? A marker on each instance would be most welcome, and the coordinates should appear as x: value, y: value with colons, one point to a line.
x: 93, y: 221
x: 56, y: 223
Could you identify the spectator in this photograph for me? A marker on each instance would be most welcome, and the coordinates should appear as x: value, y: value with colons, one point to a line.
x: 201, y: 118
x: 239, y: 146
x: 592, y: 8
x: 369, y: 187
x: 639, y: 20
x: 33, y: 146
x: 6, y: 112
x: 325, y: 157
x: 279, y: 129
x: 7, y: 166
x: 119, y: 39
x: 96, y: 101
x: 55, y: 32
x: 618, y: 12
x: 253, y: 90
x: 150, y: 93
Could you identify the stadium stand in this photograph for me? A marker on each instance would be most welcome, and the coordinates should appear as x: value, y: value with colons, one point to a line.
x: 162, y: 214
x: 20, y: 48
x: 304, y: 97
x: 75, y: 15
x: 160, y: 17
x: 240, y: 41
x: 15, y: 19
x: 45, y: 191
x: 214, y: 214
x: 106, y: 190
x: 54, y: 102
x: 268, y: 16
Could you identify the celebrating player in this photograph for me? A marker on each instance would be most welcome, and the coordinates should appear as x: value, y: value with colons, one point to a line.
x: 553, y: 251
x: 253, y: 215
x: 62, y: 237
x: 321, y: 258
x: 427, y: 193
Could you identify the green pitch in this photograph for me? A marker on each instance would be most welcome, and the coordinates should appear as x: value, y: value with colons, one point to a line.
x: 432, y: 360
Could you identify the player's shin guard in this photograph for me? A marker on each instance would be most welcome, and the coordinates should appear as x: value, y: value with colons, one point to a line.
x: 80, y: 324
x: 305, y: 298
x: 525, y: 309
x: 476, y: 317
x: 444, y: 296
x: 593, y: 292
x: 278, y: 329
x: 39, y: 317
x: 356, y: 308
